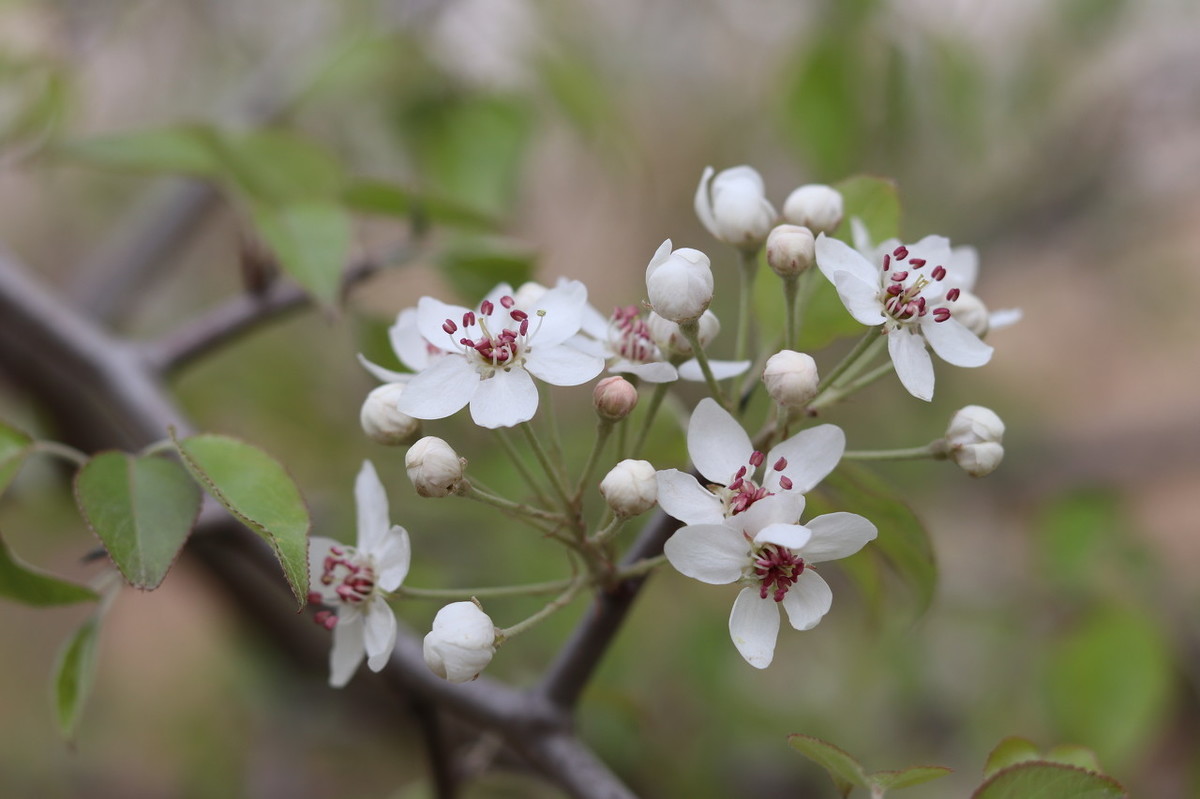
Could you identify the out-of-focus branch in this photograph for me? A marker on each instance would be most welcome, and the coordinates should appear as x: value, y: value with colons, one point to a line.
x: 104, y: 392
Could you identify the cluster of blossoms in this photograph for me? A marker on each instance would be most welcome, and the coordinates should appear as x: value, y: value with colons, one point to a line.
x: 740, y: 507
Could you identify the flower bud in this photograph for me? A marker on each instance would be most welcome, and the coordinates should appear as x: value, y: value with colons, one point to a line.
x: 680, y: 283
x: 790, y: 250
x: 434, y: 467
x: 973, y: 440
x: 970, y: 312
x: 383, y: 422
x: 733, y: 207
x: 668, y: 337
x: 461, y: 643
x: 614, y: 398
x: 816, y: 207
x: 791, y: 378
x: 630, y: 487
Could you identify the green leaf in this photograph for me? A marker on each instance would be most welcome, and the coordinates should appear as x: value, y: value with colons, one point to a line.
x: 1039, y: 780
x: 474, y: 265
x: 34, y: 587
x: 1108, y: 683
x: 1009, y: 752
x: 391, y: 199
x: 72, y: 678
x: 182, y: 150
x: 14, y: 446
x: 903, y: 544
x: 916, y: 775
x: 1073, y: 755
x: 311, y: 241
x: 142, y: 509
x: 256, y: 489
x: 872, y: 200
x: 275, y: 167
x: 843, y: 769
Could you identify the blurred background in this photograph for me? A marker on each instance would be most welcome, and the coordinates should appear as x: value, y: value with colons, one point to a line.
x: 1062, y: 139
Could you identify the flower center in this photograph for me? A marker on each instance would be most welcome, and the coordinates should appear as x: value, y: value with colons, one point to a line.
x: 902, y: 283
x: 498, y: 338
x: 742, y: 491
x: 629, y: 336
x: 351, y: 574
x: 777, y: 568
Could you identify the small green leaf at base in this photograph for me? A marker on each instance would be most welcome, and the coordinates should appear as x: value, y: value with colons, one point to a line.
x: 1041, y: 780
x: 916, y: 775
x: 72, y: 679
x: 1009, y: 752
x: 843, y: 769
x: 33, y: 587
x: 142, y: 509
x: 14, y: 446
x: 257, y: 490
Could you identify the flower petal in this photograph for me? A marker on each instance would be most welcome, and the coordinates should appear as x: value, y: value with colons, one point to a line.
x: 963, y: 268
x: 810, y: 454
x: 783, y: 508
x: 690, y: 370
x: 379, y: 633
x: 505, y: 399
x: 660, y: 372
x: 347, y: 651
x: 371, y: 508
x: 955, y: 344
x: 1005, y: 317
x: 807, y: 601
x: 837, y: 535
x: 561, y: 365
x: 791, y: 536
x: 563, y: 306
x: 433, y: 313
x: 703, y: 203
x: 754, y: 627
x: 393, y: 556
x: 710, y: 553
x: 407, y: 342
x: 383, y: 375
x: 834, y: 256
x: 441, y: 390
x: 717, y: 443
x: 860, y: 298
x: 912, y: 362
x: 682, y: 497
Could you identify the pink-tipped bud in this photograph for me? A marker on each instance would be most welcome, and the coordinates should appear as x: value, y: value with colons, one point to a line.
x: 816, y: 207
x: 791, y: 378
x: 614, y: 398
x: 630, y: 488
x: 434, y: 467
x: 790, y: 250
x: 383, y: 422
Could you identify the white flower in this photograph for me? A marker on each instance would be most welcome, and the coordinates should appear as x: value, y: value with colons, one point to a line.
x: 353, y: 580
x: 814, y: 206
x: 630, y: 487
x: 382, y: 421
x: 907, y: 291
x: 461, y: 643
x: 722, y: 453
x: 772, y: 557
x: 433, y: 467
x: 733, y: 207
x: 790, y: 250
x: 974, y: 440
x: 791, y: 378
x: 492, y: 353
x: 410, y: 347
x: 680, y: 283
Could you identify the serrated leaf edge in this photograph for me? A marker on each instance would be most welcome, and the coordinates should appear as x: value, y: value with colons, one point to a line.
x: 1048, y: 764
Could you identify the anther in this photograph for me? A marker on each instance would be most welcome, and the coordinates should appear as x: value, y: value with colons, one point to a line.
x: 785, y: 482
x: 757, y: 458
x: 507, y: 301
x: 941, y: 314
x: 468, y: 318
x: 900, y: 252
x: 952, y: 295
x: 917, y: 263
x: 939, y: 272
x: 780, y: 465
x: 449, y: 327
x: 486, y: 307
x: 901, y: 276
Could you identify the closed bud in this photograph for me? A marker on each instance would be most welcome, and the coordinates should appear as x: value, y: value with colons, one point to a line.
x: 679, y: 283
x: 791, y: 249
x: 816, y: 207
x: 630, y: 487
x: 668, y: 337
x: 434, y: 467
x: 383, y: 422
x: 791, y: 378
x: 974, y: 440
x: 733, y: 207
x: 614, y: 398
x: 461, y: 643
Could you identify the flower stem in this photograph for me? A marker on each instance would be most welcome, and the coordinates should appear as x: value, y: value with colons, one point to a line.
x: 530, y: 589
x: 603, y: 429
x: 519, y: 462
x: 63, y: 451
x: 839, y: 393
x: 553, y: 474
x: 610, y: 529
x: 555, y: 605
x: 660, y: 391
x: 691, y: 331
x: 791, y: 321
x: 909, y: 454
x: 749, y: 263
x: 861, y: 347
x: 474, y: 492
